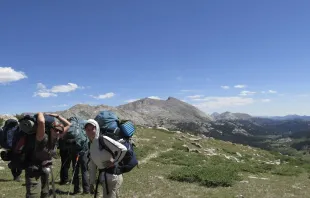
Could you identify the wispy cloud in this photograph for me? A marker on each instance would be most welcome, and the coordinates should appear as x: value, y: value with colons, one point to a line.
x: 240, y: 86
x: 220, y: 102
x: 44, y: 92
x: 131, y: 100
x: 272, y: 91
x: 266, y: 100
x: 225, y: 87
x: 103, y: 96
x: 7, y: 75
x: 179, y: 78
x: 64, y: 88
x: 195, y: 96
x: 246, y: 93
x: 154, y: 97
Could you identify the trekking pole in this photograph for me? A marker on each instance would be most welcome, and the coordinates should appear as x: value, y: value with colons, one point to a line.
x: 77, y: 159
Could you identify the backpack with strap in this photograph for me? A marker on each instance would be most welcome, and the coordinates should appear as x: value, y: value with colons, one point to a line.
x: 110, y: 125
x: 122, y: 131
x: 8, y: 133
x: 24, y: 143
x: 76, y: 139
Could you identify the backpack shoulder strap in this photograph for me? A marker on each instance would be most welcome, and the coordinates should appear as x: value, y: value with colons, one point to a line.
x: 102, y: 146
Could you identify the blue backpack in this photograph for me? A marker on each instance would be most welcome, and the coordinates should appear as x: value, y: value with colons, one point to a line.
x: 110, y: 125
x: 121, y: 131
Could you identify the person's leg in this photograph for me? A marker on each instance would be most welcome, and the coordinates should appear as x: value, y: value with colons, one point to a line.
x: 33, y: 185
x: 85, y: 175
x: 114, y: 183
x: 65, y: 166
x: 16, y: 174
x: 45, y: 185
x: 76, y: 171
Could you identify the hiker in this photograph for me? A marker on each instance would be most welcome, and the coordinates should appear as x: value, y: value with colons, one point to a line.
x: 65, y: 162
x: 9, y: 134
x: 39, y: 158
x: 77, y: 144
x: 103, y: 160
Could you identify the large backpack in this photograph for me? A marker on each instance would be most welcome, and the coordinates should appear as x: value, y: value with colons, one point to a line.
x: 8, y: 133
x: 24, y: 141
x: 122, y: 131
x: 77, y: 133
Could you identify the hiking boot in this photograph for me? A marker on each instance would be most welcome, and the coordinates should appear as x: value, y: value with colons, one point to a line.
x: 77, y: 191
x: 17, y: 179
x: 65, y: 182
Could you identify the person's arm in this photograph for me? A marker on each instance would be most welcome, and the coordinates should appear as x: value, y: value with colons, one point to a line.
x: 64, y: 121
x: 41, y: 127
x: 115, y: 147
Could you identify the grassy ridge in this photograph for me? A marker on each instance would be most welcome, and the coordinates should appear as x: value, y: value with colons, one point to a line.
x: 170, y: 170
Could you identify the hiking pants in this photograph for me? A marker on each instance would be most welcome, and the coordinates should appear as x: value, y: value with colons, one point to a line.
x: 113, y: 183
x: 81, y: 164
x: 16, y: 172
x: 37, y: 184
x: 65, y: 165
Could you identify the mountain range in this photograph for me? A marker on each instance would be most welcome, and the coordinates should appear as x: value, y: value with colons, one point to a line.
x: 176, y: 115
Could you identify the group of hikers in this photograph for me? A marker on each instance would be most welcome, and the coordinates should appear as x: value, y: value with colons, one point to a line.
x: 103, y: 143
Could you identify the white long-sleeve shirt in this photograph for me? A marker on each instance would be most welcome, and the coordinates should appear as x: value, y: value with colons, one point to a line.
x: 101, y: 158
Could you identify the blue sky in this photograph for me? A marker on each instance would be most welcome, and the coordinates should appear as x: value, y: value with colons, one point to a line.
x: 55, y: 54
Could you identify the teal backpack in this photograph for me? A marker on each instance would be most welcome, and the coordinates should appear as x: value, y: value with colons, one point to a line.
x: 76, y: 139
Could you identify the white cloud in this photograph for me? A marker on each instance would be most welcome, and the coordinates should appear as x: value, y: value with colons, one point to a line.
x: 246, y: 93
x: 272, y: 91
x: 61, y: 105
x: 64, y: 88
x: 225, y: 87
x: 44, y: 94
x: 220, y: 102
x: 7, y: 74
x: 131, y: 100
x: 195, y: 96
x: 266, y: 100
x: 104, y: 96
x: 240, y: 86
x: 41, y: 86
x: 154, y: 97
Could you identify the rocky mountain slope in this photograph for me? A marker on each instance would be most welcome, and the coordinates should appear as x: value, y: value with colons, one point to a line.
x: 230, y: 116
x: 171, y: 113
x: 177, y: 115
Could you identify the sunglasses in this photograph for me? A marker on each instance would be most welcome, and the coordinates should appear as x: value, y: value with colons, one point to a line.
x: 59, y: 131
